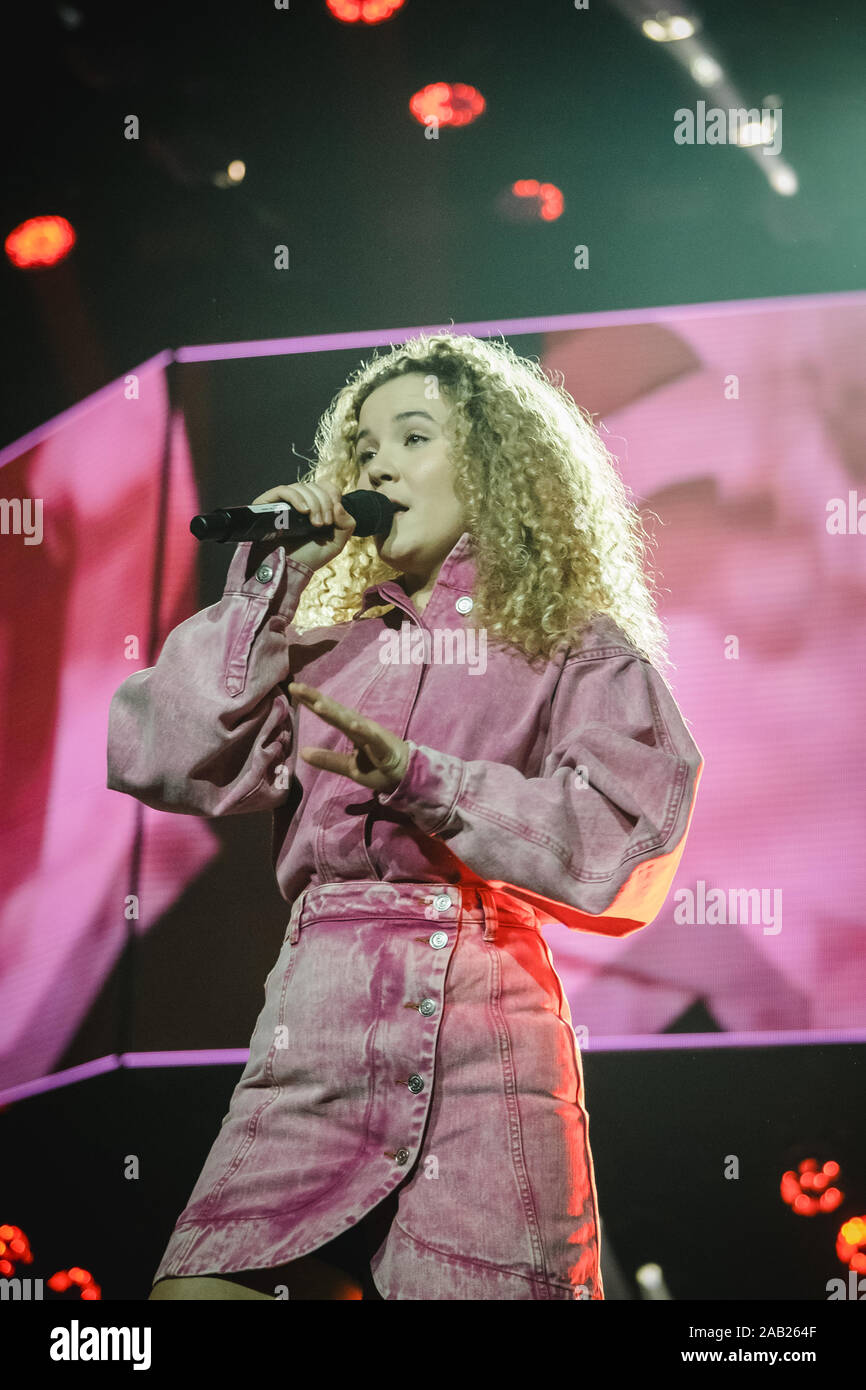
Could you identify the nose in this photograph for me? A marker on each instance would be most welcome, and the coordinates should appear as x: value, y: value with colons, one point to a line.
x: 380, y: 474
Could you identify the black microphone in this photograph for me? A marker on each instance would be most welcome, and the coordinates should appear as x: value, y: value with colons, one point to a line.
x: 276, y: 521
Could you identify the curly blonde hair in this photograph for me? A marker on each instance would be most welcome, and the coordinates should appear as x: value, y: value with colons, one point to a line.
x: 555, y: 540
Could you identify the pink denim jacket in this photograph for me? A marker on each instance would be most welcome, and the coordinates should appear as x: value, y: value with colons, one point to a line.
x: 570, y: 787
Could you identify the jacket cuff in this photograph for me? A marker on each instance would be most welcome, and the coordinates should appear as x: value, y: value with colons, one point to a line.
x: 429, y: 788
x: 257, y: 570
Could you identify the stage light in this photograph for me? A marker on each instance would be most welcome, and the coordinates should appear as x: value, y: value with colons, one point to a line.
x: 447, y: 103
x: 668, y: 28
x: 233, y: 174
x: 807, y: 1191
x: 40, y: 241
x: 757, y: 132
x: 14, y: 1244
x: 705, y: 70
x: 850, y: 1243
x: 66, y: 1279
x: 14, y: 1250
x: 651, y: 1282
x: 528, y: 200
x: 364, y: 11
x: 783, y: 179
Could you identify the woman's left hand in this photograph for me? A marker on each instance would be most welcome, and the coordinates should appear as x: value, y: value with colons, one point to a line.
x: 380, y: 758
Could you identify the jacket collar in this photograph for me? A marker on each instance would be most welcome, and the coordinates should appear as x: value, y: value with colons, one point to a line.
x: 457, y: 572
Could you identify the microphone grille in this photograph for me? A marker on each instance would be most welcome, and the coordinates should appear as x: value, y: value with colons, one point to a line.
x: 372, y: 512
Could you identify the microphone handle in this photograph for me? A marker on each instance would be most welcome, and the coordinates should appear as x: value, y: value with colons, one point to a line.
x: 277, y: 521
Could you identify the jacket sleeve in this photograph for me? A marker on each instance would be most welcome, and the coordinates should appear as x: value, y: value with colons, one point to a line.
x: 202, y: 731
x: 595, y: 840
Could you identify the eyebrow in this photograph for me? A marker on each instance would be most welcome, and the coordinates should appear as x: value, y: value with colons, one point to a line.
x: 404, y: 415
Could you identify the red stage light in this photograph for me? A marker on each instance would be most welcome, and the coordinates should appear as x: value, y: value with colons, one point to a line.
x: 364, y: 11
x: 800, y: 1190
x: 40, y: 241
x: 449, y: 103
x: 850, y: 1243
x: 67, y: 1278
x: 14, y: 1249
x: 527, y: 200
x: 549, y: 197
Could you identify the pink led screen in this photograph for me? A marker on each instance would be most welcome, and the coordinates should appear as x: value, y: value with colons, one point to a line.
x: 77, y: 614
x: 744, y: 432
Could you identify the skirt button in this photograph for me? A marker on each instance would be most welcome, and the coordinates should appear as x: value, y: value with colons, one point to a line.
x: 438, y: 940
x: 415, y: 1083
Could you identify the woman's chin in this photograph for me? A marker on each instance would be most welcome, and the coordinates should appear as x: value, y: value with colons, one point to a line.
x: 391, y: 550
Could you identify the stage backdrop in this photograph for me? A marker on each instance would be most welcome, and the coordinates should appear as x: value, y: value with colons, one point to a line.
x: 741, y: 433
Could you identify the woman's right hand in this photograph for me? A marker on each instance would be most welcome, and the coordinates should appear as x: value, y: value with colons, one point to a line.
x: 322, y: 502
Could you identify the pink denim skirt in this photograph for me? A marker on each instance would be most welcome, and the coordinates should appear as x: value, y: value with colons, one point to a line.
x: 413, y: 1103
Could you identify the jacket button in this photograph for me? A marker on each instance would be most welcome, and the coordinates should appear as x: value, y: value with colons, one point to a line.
x: 427, y: 1007
x: 264, y: 573
x: 415, y: 1083
x: 401, y: 1156
x: 442, y: 902
x: 464, y: 604
x: 438, y: 940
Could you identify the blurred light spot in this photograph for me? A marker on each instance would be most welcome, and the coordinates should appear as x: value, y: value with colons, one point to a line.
x: 364, y: 11
x: 528, y: 200
x: 667, y: 28
x: 850, y: 1242
x: 757, y: 132
x: 40, y: 241
x: 705, y: 70
x: 450, y: 103
x: 783, y: 179
x: 798, y: 1190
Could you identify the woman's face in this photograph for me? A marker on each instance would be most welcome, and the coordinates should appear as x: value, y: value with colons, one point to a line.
x: 402, y: 453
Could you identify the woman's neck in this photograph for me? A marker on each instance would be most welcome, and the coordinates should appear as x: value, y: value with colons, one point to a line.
x: 420, y: 597
x: 418, y: 590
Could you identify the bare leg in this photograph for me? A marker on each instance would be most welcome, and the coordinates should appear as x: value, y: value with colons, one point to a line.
x: 200, y: 1287
x: 306, y: 1279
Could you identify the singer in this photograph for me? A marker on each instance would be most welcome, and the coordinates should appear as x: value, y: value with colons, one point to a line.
x: 412, y: 1122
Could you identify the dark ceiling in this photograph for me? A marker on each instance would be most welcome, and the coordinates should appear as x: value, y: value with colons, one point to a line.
x: 386, y: 228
